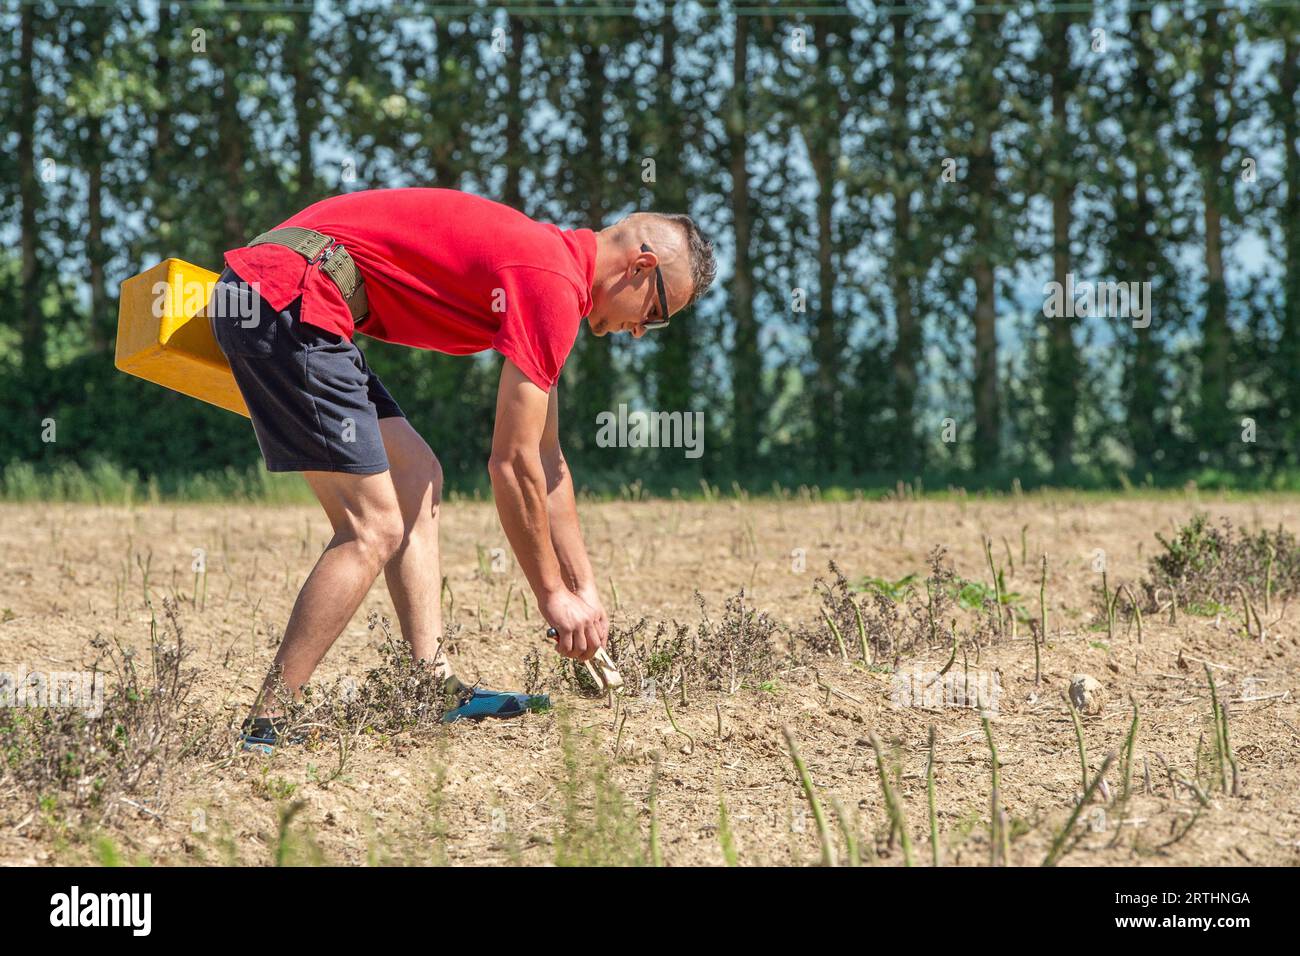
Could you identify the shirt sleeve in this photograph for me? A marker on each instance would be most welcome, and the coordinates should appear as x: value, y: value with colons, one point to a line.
x: 539, y: 324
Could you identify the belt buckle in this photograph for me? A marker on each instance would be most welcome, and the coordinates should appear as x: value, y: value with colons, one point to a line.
x: 325, y: 254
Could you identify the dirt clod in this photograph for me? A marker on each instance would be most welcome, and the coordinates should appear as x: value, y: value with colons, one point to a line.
x: 1087, y: 694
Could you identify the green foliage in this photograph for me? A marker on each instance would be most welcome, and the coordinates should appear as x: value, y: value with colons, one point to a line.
x: 599, y: 826
x: 1195, y: 550
x: 1207, y: 564
x: 161, y: 150
x: 976, y: 595
x: 898, y: 590
x: 726, y: 840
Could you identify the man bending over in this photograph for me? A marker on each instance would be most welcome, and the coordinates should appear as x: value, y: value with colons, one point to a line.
x: 445, y: 271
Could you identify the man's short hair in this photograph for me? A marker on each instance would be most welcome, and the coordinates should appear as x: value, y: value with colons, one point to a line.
x: 704, y: 267
x: 699, y: 250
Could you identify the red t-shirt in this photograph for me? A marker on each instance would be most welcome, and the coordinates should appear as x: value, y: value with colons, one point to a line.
x: 443, y: 270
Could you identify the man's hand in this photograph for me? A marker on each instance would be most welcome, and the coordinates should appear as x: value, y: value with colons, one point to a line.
x: 580, y: 628
x: 592, y: 597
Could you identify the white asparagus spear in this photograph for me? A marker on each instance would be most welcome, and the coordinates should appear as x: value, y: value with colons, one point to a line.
x: 603, y: 672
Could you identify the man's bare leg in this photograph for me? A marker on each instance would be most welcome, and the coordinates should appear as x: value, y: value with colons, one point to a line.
x: 414, y: 572
x: 368, y: 531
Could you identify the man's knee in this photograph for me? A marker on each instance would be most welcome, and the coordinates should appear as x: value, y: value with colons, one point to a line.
x: 380, y: 536
x: 420, y: 485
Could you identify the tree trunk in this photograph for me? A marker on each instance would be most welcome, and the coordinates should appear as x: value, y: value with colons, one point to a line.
x: 230, y: 143
x: 161, y: 177
x: 302, y: 64
x: 1141, y: 261
x: 1289, y: 83
x: 100, y: 320
x: 746, y: 362
x: 674, y: 355
x: 514, y: 107
x: 907, y: 346
x: 443, y: 149
x: 983, y: 185
x: 592, y: 358
x: 1216, y: 337
x: 822, y: 140
x: 826, y: 340
x: 31, y: 321
x: 162, y: 67
x: 987, y: 411
x: 1144, y: 397
x: 1062, y: 361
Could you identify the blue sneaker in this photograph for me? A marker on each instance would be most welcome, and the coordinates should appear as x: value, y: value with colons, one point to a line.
x: 477, y: 703
x: 264, y: 734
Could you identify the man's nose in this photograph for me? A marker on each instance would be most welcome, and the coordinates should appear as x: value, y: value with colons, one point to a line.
x: 638, y: 331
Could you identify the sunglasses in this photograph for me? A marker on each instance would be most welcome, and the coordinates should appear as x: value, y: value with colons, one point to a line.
x: 662, y: 321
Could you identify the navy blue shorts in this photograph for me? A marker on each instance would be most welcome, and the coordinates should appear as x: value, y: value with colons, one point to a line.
x: 314, y: 401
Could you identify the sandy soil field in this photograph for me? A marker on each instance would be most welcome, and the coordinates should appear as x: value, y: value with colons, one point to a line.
x: 704, y: 777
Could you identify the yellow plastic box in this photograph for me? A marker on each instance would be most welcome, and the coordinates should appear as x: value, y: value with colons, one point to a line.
x: 163, y: 335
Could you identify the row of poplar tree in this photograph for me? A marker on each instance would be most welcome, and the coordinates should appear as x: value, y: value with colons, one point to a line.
x: 889, y: 186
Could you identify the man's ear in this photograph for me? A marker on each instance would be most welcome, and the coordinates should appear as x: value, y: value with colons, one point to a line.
x: 644, y: 261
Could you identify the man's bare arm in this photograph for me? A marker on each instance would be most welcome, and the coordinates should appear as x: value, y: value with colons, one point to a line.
x: 562, y: 511
x: 519, y: 487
